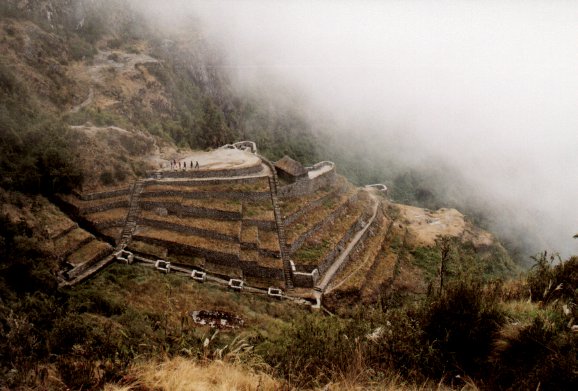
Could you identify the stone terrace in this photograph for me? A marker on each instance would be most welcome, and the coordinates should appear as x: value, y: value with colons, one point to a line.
x: 229, y: 217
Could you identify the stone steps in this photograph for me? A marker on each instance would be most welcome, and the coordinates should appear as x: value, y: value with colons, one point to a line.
x: 131, y: 218
x: 287, y: 270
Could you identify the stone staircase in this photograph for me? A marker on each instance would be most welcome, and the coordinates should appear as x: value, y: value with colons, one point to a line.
x: 131, y: 218
x: 287, y: 270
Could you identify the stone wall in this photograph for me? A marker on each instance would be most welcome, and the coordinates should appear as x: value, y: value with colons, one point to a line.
x: 101, y: 225
x: 225, y: 173
x: 305, y: 280
x: 328, y: 260
x: 201, y: 195
x: 307, y: 186
x: 71, y: 274
x: 266, y: 225
x: 253, y: 269
x: 204, y: 182
x: 359, y: 244
x: 192, y: 211
x: 103, y: 194
x: 213, y: 255
x: 101, y: 208
x: 297, y: 243
x: 309, y: 207
x: 187, y: 229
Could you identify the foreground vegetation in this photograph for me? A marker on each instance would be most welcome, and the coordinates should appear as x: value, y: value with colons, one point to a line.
x: 115, y: 328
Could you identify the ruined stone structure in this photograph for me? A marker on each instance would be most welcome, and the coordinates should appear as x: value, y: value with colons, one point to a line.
x: 237, y: 222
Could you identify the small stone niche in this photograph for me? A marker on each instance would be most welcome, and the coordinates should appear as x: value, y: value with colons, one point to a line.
x: 125, y: 256
x: 199, y: 276
x: 275, y: 293
x: 236, y: 285
x: 163, y: 266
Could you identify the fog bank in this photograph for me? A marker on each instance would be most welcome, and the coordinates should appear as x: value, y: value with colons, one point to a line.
x: 489, y: 88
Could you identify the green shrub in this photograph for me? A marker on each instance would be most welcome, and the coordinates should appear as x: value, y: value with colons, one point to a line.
x: 541, y: 356
x: 315, y: 348
x: 80, y: 49
x: 549, y: 281
x: 107, y: 178
x: 460, y: 326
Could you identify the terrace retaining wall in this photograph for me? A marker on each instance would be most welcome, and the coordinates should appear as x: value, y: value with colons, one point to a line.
x: 307, y: 186
x: 100, y: 225
x: 201, y: 195
x: 103, y: 194
x: 354, y: 249
x: 308, y: 208
x: 103, y: 207
x: 213, y: 256
x: 297, y: 243
x: 187, y: 229
x: 224, y: 173
x: 192, y: 211
x: 266, y: 225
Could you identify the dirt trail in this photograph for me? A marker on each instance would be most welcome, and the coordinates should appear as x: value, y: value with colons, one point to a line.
x: 85, y: 103
x: 106, y: 60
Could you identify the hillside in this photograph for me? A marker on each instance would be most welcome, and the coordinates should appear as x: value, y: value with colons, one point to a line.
x: 138, y: 227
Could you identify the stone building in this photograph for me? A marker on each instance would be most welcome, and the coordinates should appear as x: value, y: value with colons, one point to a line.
x: 289, y: 169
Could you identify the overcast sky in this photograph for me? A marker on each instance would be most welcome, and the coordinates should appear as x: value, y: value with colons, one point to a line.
x: 490, y: 87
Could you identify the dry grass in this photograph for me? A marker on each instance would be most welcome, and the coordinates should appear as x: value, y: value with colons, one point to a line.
x: 214, y: 203
x: 249, y: 234
x: 521, y: 311
x: 308, y: 221
x: 108, y: 215
x: 113, y: 232
x: 147, y: 248
x: 292, y: 205
x: 189, y: 239
x: 164, y: 199
x: 89, y: 252
x: 180, y: 374
x: 70, y: 241
x: 258, y: 210
x: 222, y: 270
x: 353, y: 275
x: 186, y: 260
x: 271, y: 262
x: 259, y: 186
x: 327, y: 238
x: 249, y: 255
x: 269, y: 240
x: 53, y: 220
x: 225, y: 227
x: 174, y: 296
x: 87, y: 204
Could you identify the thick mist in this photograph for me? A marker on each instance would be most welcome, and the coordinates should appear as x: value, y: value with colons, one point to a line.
x: 488, y: 88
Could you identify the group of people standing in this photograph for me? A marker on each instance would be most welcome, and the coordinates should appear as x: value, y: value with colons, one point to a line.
x: 178, y: 165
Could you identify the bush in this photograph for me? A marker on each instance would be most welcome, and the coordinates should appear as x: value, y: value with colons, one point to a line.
x: 549, y: 282
x: 460, y: 326
x: 106, y: 178
x: 314, y: 349
x: 542, y: 355
x: 80, y: 49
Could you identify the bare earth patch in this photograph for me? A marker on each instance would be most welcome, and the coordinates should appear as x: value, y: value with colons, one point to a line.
x: 425, y: 226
